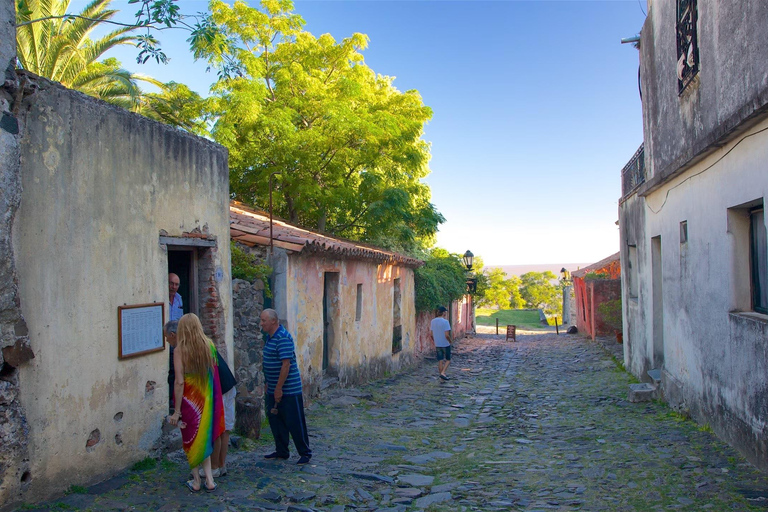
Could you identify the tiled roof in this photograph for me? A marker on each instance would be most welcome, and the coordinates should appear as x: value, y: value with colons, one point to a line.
x: 251, y: 227
x: 600, y: 265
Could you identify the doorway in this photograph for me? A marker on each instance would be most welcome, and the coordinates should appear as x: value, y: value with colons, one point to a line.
x: 397, y: 321
x: 330, y: 314
x: 183, y: 263
x: 658, y: 303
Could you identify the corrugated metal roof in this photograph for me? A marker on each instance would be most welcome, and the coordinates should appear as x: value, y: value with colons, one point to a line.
x: 251, y: 227
x: 597, y: 266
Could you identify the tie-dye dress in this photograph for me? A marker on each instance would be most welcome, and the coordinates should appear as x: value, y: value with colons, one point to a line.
x: 202, y: 409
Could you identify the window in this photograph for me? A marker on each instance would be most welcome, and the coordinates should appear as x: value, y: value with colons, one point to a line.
x: 687, y: 43
x: 684, y: 232
x: 359, y: 307
x: 758, y: 259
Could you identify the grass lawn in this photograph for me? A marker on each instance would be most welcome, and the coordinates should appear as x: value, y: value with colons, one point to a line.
x: 519, y: 317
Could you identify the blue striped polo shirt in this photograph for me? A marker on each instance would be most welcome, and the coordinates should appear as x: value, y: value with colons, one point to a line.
x: 277, y: 347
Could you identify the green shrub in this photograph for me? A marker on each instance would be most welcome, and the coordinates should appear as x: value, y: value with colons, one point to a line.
x: 610, y: 311
x: 593, y: 276
x: 439, y: 281
x: 245, y: 267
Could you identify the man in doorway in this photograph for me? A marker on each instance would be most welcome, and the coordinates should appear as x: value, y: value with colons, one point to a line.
x: 175, y: 312
x: 440, y: 334
x: 285, y: 404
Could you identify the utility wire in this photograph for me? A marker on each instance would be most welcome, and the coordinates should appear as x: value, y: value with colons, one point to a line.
x: 666, y: 197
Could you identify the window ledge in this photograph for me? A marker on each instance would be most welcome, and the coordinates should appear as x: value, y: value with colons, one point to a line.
x: 751, y: 315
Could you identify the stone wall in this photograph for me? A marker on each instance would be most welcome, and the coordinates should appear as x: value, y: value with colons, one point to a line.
x: 247, y: 305
x: 14, y: 342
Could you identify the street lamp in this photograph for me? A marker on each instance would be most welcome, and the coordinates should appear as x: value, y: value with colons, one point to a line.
x: 565, y: 276
x: 468, y: 258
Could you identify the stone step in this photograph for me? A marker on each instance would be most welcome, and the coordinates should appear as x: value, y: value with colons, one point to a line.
x: 655, y: 375
x: 642, y: 392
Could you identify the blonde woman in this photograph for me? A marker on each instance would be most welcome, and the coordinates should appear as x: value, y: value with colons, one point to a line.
x: 200, y: 414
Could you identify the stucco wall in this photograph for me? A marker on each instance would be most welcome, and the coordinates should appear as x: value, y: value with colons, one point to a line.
x: 714, y: 357
x: 99, y: 185
x: 360, y: 349
x: 731, y: 86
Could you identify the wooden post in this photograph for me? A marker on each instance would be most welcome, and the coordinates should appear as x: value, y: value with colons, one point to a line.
x: 557, y: 330
x: 497, y: 327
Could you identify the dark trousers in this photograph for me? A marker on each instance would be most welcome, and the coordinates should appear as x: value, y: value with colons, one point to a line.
x: 288, y: 420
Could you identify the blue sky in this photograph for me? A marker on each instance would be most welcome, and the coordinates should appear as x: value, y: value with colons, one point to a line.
x: 536, y: 110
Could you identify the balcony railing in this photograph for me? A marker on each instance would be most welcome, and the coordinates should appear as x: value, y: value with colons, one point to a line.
x: 633, y: 174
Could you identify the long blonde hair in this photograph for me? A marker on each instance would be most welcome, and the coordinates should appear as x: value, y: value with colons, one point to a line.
x: 195, y: 346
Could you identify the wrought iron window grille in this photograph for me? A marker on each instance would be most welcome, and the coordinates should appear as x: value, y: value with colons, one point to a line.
x: 687, y: 43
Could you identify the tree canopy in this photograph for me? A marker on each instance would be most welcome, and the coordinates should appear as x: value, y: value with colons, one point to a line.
x: 343, y: 144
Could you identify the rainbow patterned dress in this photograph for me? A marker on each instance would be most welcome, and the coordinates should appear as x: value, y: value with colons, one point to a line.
x: 202, y: 409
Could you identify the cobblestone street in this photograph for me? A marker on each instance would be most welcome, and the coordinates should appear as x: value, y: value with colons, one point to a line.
x: 541, y: 424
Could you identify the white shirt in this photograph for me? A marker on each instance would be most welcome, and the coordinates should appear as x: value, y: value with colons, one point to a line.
x: 439, y: 327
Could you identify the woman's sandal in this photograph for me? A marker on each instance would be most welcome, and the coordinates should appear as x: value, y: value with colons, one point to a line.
x: 191, y: 486
x: 212, y: 489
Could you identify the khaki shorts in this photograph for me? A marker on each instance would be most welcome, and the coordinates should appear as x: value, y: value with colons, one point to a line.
x: 229, y: 409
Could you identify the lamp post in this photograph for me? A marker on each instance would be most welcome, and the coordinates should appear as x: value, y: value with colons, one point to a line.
x: 565, y: 280
x: 468, y: 259
x: 270, y: 209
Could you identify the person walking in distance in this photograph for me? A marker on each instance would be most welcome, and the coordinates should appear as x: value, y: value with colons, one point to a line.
x: 440, y: 334
x: 285, y: 405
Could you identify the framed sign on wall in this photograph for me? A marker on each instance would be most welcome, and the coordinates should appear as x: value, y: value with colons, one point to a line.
x: 140, y: 329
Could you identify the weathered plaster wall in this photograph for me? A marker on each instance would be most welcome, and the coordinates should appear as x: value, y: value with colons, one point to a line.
x: 731, y: 86
x: 714, y: 356
x: 361, y: 349
x: 99, y: 185
x: 638, y: 347
x: 463, y: 317
x: 14, y: 343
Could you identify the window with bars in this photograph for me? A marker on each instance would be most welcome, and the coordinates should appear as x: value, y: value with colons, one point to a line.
x: 687, y: 43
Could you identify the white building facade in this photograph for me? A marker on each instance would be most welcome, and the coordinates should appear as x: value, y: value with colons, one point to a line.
x: 693, y: 232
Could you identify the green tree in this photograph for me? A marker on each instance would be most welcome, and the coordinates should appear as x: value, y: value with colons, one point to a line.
x: 441, y: 280
x: 346, y: 142
x: 538, y: 291
x: 55, y: 44
x: 501, y: 292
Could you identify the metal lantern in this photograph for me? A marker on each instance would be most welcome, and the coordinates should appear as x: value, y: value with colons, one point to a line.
x: 468, y: 258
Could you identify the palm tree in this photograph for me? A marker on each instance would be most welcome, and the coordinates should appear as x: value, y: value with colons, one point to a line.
x: 55, y: 45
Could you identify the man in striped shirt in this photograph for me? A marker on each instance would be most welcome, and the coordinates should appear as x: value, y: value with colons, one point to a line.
x: 285, y: 405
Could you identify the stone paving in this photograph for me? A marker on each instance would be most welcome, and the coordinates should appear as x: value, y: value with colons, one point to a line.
x: 541, y: 424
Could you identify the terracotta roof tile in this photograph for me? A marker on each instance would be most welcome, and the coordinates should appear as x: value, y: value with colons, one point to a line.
x: 251, y: 227
x: 597, y: 266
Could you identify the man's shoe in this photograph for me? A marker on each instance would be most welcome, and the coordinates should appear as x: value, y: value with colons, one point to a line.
x: 303, y: 460
x: 274, y: 455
